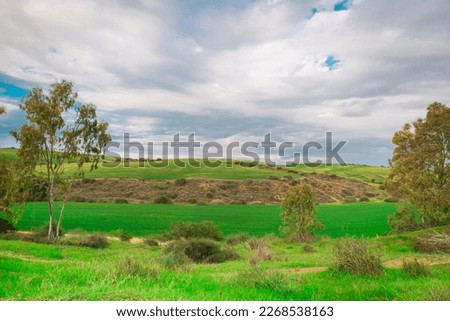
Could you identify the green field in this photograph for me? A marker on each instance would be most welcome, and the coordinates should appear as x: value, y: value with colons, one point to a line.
x: 360, y: 219
x: 172, y: 171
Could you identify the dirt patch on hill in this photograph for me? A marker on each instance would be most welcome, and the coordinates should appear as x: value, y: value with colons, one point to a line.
x: 207, y: 191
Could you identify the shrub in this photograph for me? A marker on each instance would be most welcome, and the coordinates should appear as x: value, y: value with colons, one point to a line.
x: 403, y: 220
x: 199, y: 250
x: 431, y: 243
x: 192, y: 201
x: 95, y: 240
x: 204, y: 229
x: 132, y: 267
x: 237, y: 238
x: 174, y: 261
x: 6, y: 226
x: 122, y: 235
x: 181, y: 182
x: 415, y: 268
x: 121, y: 201
x: 162, y: 200
x: 230, y: 254
x: 273, y: 281
x: 203, y: 250
x: 151, y: 241
x: 259, y: 251
x: 355, y: 257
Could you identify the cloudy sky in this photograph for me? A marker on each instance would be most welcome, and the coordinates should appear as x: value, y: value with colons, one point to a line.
x: 235, y: 70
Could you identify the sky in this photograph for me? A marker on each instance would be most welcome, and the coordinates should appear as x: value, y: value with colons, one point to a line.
x: 234, y: 70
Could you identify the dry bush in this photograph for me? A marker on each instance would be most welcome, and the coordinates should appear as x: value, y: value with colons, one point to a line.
x: 431, y: 243
x: 415, y: 268
x: 94, y: 240
x: 355, y: 257
x: 259, y: 250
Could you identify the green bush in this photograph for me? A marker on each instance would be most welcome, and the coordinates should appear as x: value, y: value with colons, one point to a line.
x: 237, y: 238
x: 203, y: 250
x: 355, y: 257
x: 403, y: 220
x: 6, y: 226
x: 415, y: 268
x: 95, y: 240
x: 200, y: 250
x: 204, y: 229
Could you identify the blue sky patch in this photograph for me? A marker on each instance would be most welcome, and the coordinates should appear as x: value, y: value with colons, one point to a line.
x: 331, y: 62
x: 342, y: 5
x: 11, y: 91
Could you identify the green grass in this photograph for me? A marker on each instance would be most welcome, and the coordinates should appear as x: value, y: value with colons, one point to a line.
x: 172, y: 171
x: 53, y: 272
x: 368, y: 219
x: 9, y: 153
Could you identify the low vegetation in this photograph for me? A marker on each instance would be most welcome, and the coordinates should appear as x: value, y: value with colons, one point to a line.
x: 355, y: 257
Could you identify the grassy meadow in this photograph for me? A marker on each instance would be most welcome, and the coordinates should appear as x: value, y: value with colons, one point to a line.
x: 57, y: 272
x: 355, y: 219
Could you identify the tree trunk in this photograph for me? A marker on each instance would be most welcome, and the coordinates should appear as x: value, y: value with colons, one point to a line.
x: 61, y: 213
x: 50, y: 209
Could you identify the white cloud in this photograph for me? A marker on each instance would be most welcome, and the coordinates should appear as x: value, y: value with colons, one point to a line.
x: 260, y: 63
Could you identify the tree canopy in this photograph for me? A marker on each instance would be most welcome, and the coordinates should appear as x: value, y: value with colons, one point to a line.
x: 298, y: 213
x: 420, y: 165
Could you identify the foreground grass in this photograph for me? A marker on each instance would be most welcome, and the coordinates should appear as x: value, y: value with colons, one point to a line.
x: 52, y: 272
x: 359, y: 219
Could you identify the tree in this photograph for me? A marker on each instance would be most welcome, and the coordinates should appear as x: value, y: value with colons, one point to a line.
x: 13, y: 183
x: 298, y: 213
x: 420, y: 165
x: 50, y: 138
